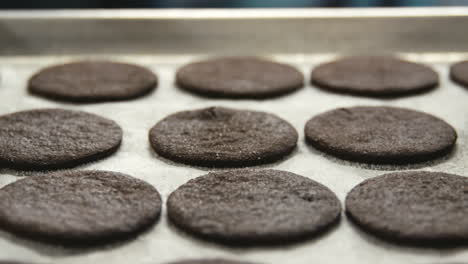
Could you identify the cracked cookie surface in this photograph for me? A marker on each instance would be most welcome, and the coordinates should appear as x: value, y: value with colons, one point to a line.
x: 223, y: 137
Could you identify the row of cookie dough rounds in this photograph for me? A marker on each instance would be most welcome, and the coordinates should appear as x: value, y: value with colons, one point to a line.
x: 54, y: 138
x: 239, y: 77
x: 224, y: 137
x: 268, y: 206
x: 237, y: 207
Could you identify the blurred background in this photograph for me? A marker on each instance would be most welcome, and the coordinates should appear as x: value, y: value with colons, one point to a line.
x: 29, y: 4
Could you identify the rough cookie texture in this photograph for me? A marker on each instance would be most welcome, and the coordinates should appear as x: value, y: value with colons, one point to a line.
x: 374, y: 76
x: 246, y: 207
x: 223, y: 137
x: 79, y: 207
x: 459, y: 73
x: 93, y: 81
x: 386, y: 135
x: 239, y: 77
x: 209, y: 261
x: 415, y: 207
x: 55, y: 138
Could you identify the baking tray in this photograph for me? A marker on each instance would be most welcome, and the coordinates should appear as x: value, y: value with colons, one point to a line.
x: 163, y: 40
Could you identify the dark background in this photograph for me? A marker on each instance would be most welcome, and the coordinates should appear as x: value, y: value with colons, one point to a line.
x: 28, y: 4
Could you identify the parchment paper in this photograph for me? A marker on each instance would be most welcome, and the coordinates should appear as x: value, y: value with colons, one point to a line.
x: 164, y: 243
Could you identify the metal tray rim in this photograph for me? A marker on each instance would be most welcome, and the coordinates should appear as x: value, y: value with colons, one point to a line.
x: 236, y: 13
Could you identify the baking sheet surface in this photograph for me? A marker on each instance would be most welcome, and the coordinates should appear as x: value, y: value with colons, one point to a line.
x: 164, y: 243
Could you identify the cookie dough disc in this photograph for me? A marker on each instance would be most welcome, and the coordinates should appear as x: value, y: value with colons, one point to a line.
x: 79, y: 207
x: 223, y: 137
x: 374, y: 76
x: 246, y: 207
x: 459, y: 73
x: 385, y: 135
x: 239, y: 77
x: 413, y: 207
x: 55, y: 138
x: 93, y: 81
x: 209, y: 261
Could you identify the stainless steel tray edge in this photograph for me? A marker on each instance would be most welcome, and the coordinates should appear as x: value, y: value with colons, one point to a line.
x: 234, y: 31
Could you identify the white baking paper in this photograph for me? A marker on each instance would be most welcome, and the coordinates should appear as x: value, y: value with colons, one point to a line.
x: 164, y: 243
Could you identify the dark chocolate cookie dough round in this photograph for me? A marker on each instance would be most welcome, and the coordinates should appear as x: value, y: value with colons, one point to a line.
x: 459, y: 73
x: 414, y: 207
x: 385, y: 135
x: 374, y: 76
x: 79, y: 207
x: 55, y: 138
x: 239, y: 77
x: 223, y: 137
x: 209, y: 261
x: 245, y: 207
x: 93, y: 81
